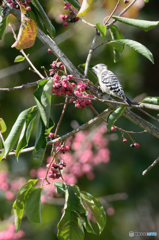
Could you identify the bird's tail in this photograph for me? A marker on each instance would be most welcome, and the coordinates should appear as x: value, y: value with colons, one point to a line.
x: 130, y: 102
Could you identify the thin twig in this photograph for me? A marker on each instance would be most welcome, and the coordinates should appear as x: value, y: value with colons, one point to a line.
x: 112, y: 13
x: 150, y: 167
x: 69, y: 134
x: 122, y: 12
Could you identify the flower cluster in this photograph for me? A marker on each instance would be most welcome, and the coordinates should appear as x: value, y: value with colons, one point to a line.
x: 62, y: 85
x: 68, y: 18
x: 55, y: 169
x: 10, y: 234
x: 14, y: 4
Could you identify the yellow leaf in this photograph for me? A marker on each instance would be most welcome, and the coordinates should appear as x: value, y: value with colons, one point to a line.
x: 3, y: 126
x: 86, y: 5
x: 27, y: 32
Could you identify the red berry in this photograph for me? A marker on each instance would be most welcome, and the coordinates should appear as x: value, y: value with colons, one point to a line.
x: 51, y: 135
x: 28, y: 8
x: 65, y: 24
x: 62, y: 16
x: 54, y: 165
x: 61, y: 167
x: 124, y: 140
x: 49, y: 50
x: 113, y: 129
x: 136, y: 145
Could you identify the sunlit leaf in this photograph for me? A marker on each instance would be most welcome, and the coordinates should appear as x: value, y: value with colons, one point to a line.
x: 142, y: 24
x: 152, y: 100
x: 59, y: 187
x: 96, y: 208
x: 102, y: 29
x: 3, y: 126
x: 27, y: 32
x: 19, y: 58
x: 16, y: 131
x: 26, y: 132
x: 113, y: 116
x: 33, y: 205
x: 86, y: 5
x: 19, y: 203
x: 138, y: 47
x: 70, y: 225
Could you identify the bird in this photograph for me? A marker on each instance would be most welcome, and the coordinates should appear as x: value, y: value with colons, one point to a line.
x: 109, y: 83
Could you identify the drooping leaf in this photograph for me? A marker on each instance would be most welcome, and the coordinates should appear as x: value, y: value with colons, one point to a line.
x: 116, y: 34
x: 15, y: 131
x: 85, y: 7
x: 142, y: 24
x: 27, y: 32
x: 102, y: 29
x: 3, y: 126
x: 113, y: 116
x: 59, y: 187
x: 19, y: 203
x: 70, y: 225
x: 75, y: 3
x: 152, y: 100
x: 19, y: 58
x: 40, y: 143
x: 43, y: 99
x: 138, y: 47
x: 3, y: 23
x: 25, y: 136
x: 96, y: 208
x: 33, y: 205
x: 50, y: 28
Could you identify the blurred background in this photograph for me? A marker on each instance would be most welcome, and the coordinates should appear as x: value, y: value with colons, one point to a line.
x: 130, y: 199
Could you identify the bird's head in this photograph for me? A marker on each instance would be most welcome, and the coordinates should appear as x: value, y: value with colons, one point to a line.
x: 97, y: 69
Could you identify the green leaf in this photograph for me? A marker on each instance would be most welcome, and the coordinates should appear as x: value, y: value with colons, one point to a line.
x: 142, y: 24
x: 19, y: 203
x: 15, y: 131
x: 152, y: 100
x: 52, y: 124
x: 85, y: 7
x: 19, y: 58
x: 26, y: 132
x: 59, y: 187
x: 113, y: 116
x: 102, y: 29
x: 70, y: 225
x: 96, y: 208
x: 3, y: 126
x: 146, y: 1
x: 3, y: 23
x: 138, y: 47
x: 43, y: 99
x: 75, y: 3
x: 33, y: 205
x: 50, y: 28
x: 116, y: 34
x: 40, y: 143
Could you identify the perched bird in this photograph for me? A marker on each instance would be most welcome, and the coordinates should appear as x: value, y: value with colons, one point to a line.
x: 109, y: 82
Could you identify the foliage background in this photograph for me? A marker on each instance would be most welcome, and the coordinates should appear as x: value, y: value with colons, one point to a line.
x: 123, y: 174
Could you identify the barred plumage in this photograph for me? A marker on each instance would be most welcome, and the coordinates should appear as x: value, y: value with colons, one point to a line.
x: 109, y: 82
